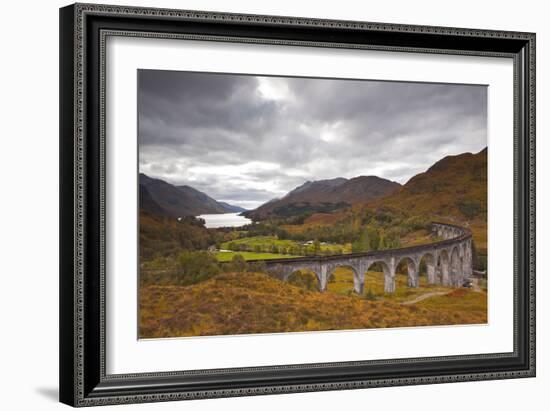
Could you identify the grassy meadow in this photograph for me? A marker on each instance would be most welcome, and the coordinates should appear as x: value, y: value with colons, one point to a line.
x: 227, y: 256
x: 275, y: 245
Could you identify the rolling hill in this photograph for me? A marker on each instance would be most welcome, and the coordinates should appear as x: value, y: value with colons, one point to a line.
x: 325, y: 195
x: 164, y: 236
x: 455, y: 188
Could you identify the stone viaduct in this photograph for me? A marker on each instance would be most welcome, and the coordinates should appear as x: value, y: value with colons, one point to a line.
x: 448, y: 261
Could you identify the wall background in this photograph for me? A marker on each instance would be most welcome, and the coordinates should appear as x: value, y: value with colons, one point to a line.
x: 29, y: 204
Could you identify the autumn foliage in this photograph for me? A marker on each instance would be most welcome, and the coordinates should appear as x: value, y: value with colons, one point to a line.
x: 250, y: 303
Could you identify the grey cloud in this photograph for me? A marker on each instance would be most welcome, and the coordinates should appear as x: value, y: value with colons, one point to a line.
x: 320, y: 128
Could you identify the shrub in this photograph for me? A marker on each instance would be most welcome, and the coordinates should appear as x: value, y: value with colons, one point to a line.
x: 384, y: 216
x: 258, y: 267
x: 316, y: 247
x: 481, y: 262
x: 479, y: 259
x: 166, y: 237
x: 370, y: 296
x: 304, y: 279
x: 469, y: 208
x: 194, y: 267
x: 237, y: 264
x: 374, y: 238
x: 362, y: 244
x: 415, y: 223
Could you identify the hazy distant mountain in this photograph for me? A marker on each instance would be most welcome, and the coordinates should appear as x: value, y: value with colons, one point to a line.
x: 232, y: 208
x: 325, y: 195
x: 161, y: 198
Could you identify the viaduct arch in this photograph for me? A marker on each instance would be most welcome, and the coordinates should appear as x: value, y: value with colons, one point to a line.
x: 448, y: 261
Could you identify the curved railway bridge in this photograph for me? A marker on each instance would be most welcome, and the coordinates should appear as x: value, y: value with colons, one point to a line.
x: 448, y: 261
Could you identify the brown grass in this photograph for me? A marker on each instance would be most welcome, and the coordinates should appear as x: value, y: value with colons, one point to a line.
x: 250, y: 303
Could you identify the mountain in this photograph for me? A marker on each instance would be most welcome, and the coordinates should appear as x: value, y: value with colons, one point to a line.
x: 454, y: 187
x: 207, y: 203
x: 324, y: 196
x: 308, y: 187
x: 161, y: 198
x: 364, y: 188
x: 232, y: 208
x: 147, y: 204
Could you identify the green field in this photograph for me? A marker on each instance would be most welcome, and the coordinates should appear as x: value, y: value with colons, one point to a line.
x: 260, y: 241
x: 247, y: 255
x: 274, y: 245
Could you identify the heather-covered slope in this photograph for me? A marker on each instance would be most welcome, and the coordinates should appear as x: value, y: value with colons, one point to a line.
x: 454, y: 188
x: 250, y: 303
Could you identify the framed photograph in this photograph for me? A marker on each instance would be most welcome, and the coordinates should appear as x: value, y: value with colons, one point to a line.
x: 261, y: 204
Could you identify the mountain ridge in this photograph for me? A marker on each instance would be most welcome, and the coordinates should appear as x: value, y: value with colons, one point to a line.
x: 455, y: 186
x: 325, y: 195
x: 164, y: 199
x: 232, y: 208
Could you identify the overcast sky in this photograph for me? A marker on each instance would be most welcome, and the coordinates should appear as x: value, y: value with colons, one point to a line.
x: 247, y: 139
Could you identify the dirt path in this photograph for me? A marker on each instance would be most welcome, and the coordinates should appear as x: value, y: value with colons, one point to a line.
x: 476, y: 287
x: 424, y: 296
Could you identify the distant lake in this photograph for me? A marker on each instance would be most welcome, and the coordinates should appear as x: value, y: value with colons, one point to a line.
x: 224, y: 220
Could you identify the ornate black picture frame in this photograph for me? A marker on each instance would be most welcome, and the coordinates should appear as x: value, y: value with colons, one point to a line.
x: 83, y: 30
